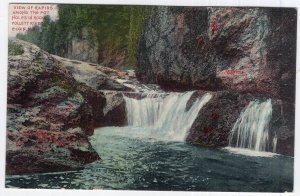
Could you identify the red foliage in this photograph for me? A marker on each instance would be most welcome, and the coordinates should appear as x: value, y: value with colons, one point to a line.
x: 215, y: 115
x: 233, y: 72
x: 200, y: 41
x: 55, y: 137
x: 207, y: 130
x: 40, y: 136
x: 52, y: 109
x: 59, y: 143
x: 70, y: 108
x: 28, y: 132
x: 214, y: 26
x: 19, y: 143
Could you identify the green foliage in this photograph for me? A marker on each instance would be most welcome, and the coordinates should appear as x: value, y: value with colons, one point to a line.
x: 47, y: 37
x: 14, y: 48
x: 38, y: 57
x: 137, y: 15
x: 32, y: 35
x: 65, y: 84
x: 113, y: 29
x: 69, y: 86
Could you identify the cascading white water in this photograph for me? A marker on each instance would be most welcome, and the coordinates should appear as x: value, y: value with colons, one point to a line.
x: 274, y: 143
x: 165, y: 116
x: 251, y: 130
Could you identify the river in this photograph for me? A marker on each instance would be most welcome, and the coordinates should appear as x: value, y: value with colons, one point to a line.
x: 150, y: 153
x: 133, y: 161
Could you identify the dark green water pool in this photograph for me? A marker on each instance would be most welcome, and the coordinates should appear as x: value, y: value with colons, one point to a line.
x: 132, y: 160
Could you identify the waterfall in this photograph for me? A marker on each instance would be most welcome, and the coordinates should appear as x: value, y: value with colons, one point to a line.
x: 274, y: 143
x: 165, y: 116
x: 251, y: 129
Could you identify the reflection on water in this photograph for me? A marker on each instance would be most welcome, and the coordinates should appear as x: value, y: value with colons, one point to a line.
x: 131, y: 160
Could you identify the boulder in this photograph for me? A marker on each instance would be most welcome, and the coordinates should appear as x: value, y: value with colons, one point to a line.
x: 115, y: 109
x: 54, y: 104
x: 217, y: 118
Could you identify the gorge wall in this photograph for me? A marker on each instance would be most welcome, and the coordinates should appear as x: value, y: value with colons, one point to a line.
x: 88, y: 48
x: 243, y: 49
x: 240, y: 54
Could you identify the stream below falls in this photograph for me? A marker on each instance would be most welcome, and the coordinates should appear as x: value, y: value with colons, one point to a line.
x: 131, y: 160
x: 151, y: 153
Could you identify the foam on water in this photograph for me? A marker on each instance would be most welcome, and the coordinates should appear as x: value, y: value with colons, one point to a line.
x: 249, y: 152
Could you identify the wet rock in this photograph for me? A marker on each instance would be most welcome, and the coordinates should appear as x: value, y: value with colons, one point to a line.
x: 115, y: 109
x: 283, y: 125
x: 24, y: 162
x: 33, y: 151
x: 239, y: 54
x: 217, y: 118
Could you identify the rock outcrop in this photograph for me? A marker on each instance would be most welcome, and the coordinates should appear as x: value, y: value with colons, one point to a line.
x: 242, y: 49
x: 239, y: 54
x: 217, y: 118
x: 53, y: 105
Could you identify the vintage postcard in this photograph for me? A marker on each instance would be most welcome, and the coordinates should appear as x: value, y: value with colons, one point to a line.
x: 153, y: 98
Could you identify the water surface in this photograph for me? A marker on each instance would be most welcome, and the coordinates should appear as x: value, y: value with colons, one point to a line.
x: 133, y: 160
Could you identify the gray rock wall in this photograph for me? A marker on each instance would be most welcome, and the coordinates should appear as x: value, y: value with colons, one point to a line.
x: 239, y: 54
x: 169, y: 53
x: 243, y: 49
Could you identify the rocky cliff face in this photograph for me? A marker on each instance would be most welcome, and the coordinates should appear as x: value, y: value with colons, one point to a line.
x: 53, y: 105
x: 240, y: 54
x: 87, y: 48
x: 84, y: 48
x: 169, y: 53
x: 243, y: 49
